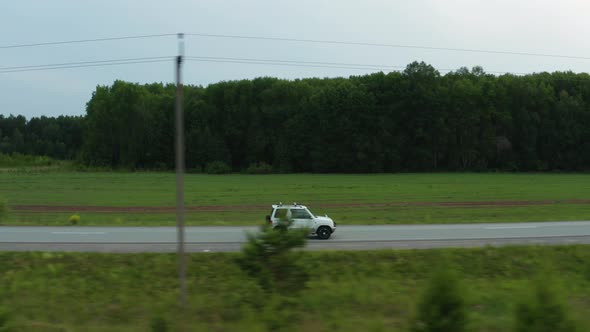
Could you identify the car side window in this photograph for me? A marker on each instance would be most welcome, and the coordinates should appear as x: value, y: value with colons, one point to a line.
x: 281, y: 214
x: 300, y: 214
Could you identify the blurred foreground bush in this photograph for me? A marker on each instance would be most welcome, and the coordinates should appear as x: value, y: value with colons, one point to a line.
x: 4, y: 314
x: 268, y: 258
x: 159, y: 324
x: 442, y: 307
x: 4, y: 320
x: 3, y: 210
x: 543, y: 310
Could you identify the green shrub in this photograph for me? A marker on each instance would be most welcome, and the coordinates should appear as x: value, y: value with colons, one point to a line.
x: 23, y: 160
x: 160, y: 166
x: 268, y: 258
x: 80, y: 166
x: 442, y: 307
x: 195, y: 170
x: 3, y: 210
x: 259, y: 168
x: 4, y: 314
x: 280, y: 313
x: 543, y: 310
x: 217, y: 167
x: 4, y: 320
x: 74, y: 219
x: 159, y: 324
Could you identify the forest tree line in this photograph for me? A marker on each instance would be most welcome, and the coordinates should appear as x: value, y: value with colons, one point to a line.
x: 413, y: 120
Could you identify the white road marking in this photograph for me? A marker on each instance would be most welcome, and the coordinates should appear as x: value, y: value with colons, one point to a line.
x: 79, y: 233
x: 509, y: 227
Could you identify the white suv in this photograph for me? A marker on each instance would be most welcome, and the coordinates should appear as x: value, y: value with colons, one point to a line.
x: 301, y: 217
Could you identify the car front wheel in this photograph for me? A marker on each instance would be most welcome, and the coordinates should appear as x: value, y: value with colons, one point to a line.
x: 324, y: 232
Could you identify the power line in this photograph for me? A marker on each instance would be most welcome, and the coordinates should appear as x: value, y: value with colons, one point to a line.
x: 337, y: 65
x: 85, y: 40
x: 85, y: 64
x: 88, y: 62
x: 292, y: 62
x: 319, y: 64
x: 338, y: 42
x: 300, y: 40
x: 252, y: 61
x: 280, y: 64
x: 289, y: 63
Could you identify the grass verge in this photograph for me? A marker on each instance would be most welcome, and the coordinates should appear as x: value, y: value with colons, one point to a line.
x: 343, y: 216
x: 348, y: 291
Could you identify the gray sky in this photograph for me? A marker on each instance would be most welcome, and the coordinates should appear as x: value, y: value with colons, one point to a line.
x: 533, y: 26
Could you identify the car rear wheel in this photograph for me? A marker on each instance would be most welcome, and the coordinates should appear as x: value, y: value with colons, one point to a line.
x: 324, y: 232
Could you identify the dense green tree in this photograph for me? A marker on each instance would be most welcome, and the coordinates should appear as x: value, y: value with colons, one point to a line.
x: 412, y: 120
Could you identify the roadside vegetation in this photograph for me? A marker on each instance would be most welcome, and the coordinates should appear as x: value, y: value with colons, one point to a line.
x: 17, y: 162
x: 493, y: 289
x: 3, y: 211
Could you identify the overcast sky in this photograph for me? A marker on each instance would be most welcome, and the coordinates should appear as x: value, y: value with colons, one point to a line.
x: 532, y: 26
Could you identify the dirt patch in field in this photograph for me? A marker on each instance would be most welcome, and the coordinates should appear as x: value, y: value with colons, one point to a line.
x: 475, y: 203
x: 221, y: 208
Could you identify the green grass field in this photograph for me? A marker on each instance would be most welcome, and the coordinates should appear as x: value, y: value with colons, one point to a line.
x: 246, y: 199
x: 348, y: 291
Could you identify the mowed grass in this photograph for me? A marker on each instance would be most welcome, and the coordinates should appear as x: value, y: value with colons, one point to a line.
x: 348, y: 291
x: 320, y: 192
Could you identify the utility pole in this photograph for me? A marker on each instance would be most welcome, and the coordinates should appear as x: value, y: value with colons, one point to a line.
x: 180, y: 173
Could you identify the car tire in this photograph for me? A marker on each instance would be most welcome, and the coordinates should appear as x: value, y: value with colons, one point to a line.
x: 324, y: 233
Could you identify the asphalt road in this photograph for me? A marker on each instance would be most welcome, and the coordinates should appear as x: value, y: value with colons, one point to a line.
x: 213, y: 239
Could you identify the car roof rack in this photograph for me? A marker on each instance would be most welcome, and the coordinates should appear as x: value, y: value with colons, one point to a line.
x: 294, y: 204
